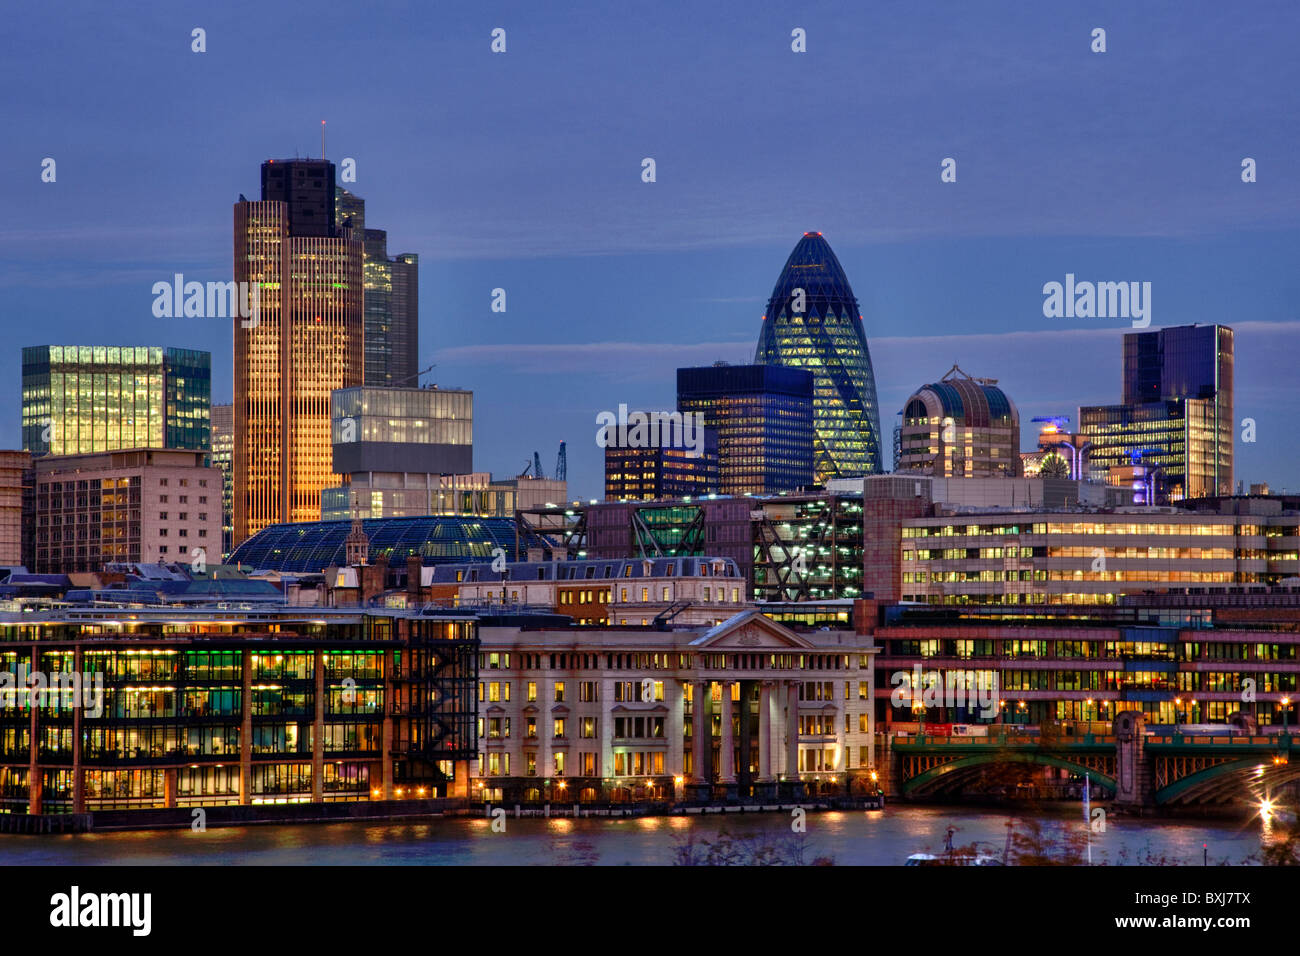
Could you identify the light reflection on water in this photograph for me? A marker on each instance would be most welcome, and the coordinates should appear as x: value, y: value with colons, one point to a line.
x: 851, y: 837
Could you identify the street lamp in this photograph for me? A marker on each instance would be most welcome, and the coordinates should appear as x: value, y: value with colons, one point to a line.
x: 1286, y: 706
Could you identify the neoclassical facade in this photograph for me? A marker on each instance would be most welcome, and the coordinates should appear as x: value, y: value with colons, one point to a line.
x: 747, y: 708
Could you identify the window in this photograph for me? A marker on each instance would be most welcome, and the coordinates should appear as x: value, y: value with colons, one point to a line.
x: 587, y: 728
x: 530, y: 727
x: 558, y: 729
x: 588, y: 691
x: 559, y: 691
x: 532, y: 691
x: 559, y: 764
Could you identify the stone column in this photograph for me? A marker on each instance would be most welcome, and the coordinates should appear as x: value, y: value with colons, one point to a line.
x: 727, y: 757
x: 765, y: 732
x: 674, y: 729
x: 701, y: 733
x: 792, y: 731
x: 605, y: 732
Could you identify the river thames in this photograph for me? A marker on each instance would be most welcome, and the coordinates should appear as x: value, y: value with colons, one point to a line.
x: 847, y: 838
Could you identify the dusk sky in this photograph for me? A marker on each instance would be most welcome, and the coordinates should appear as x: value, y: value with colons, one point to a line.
x: 522, y: 171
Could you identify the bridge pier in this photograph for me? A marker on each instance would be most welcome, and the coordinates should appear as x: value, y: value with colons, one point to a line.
x: 1133, y: 779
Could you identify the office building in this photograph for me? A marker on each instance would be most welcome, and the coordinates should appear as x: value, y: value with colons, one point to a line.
x: 212, y: 706
x: 763, y: 416
x: 143, y: 505
x: 80, y: 400
x: 1174, y: 430
x: 17, y: 509
x: 682, y: 592
x: 668, y: 468
x: 305, y: 342
x: 223, y: 449
x: 424, y: 430
x: 960, y: 427
x: 392, y: 315
x: 813, y: 322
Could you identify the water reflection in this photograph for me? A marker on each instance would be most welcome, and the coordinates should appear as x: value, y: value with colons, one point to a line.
x: 872, y: 838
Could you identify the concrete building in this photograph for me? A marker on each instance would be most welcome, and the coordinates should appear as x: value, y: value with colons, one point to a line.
x: 143, y: 505
x: 17, y: 508
x: 676, y: 591
x: 960, y: 427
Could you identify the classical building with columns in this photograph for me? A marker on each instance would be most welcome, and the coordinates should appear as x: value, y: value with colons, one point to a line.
x: 746, y: 708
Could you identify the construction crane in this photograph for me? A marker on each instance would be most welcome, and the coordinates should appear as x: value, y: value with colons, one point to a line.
x: 561, y: 464
x: 537, y: 465
x: 417, y: 375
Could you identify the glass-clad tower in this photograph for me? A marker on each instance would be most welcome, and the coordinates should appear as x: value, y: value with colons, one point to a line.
x: 85, y: 399
x: 813, y: 322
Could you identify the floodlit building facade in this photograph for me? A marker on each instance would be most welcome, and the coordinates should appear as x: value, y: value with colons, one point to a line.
x: 304, y: 343
x: 748, y: 707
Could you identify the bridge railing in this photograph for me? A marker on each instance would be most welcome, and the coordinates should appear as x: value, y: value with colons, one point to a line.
x: 1273, y: 741
x: 1005, y: 740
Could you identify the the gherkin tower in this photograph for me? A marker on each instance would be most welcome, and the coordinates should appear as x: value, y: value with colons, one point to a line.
x: 813, y: 322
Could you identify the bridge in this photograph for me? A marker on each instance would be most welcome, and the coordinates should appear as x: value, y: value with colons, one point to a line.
x: 1137, y: 768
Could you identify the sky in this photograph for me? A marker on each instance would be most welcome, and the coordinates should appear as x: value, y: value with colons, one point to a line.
x: 522, y: 171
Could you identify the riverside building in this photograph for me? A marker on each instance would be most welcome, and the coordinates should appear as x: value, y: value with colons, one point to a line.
x: 749, y: 707
x: 211, y: 706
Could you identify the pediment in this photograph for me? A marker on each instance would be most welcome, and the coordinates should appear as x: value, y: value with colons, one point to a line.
x: 751, y: 631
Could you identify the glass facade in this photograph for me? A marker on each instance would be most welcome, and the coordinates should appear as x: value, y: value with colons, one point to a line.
x: 421, y: 416
x: 763, y: 416
x: 391, y: 299
x: 1176, y: 438
x: 87, y: 399
x: 1188, y: 363
x: 813, y: 322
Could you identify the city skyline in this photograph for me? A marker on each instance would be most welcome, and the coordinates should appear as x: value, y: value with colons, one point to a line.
x: 674, y: 273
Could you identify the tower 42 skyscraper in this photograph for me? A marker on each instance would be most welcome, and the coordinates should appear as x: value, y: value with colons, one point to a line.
x: 304, y: 342
x: 813, y: 322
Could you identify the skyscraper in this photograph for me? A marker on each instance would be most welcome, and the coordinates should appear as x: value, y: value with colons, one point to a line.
x: 392, y: 305
x: 304, y: 342
x: 763, y: 415
x: 1176, y: 419
x: 83, y: 399
x: 813, y: 322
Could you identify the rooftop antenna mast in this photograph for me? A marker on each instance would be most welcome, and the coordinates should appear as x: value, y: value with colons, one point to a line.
x: 322, y: 139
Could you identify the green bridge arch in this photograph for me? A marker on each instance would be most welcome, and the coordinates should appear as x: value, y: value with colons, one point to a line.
x: 923, y: 780
x: 1231, y: 768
